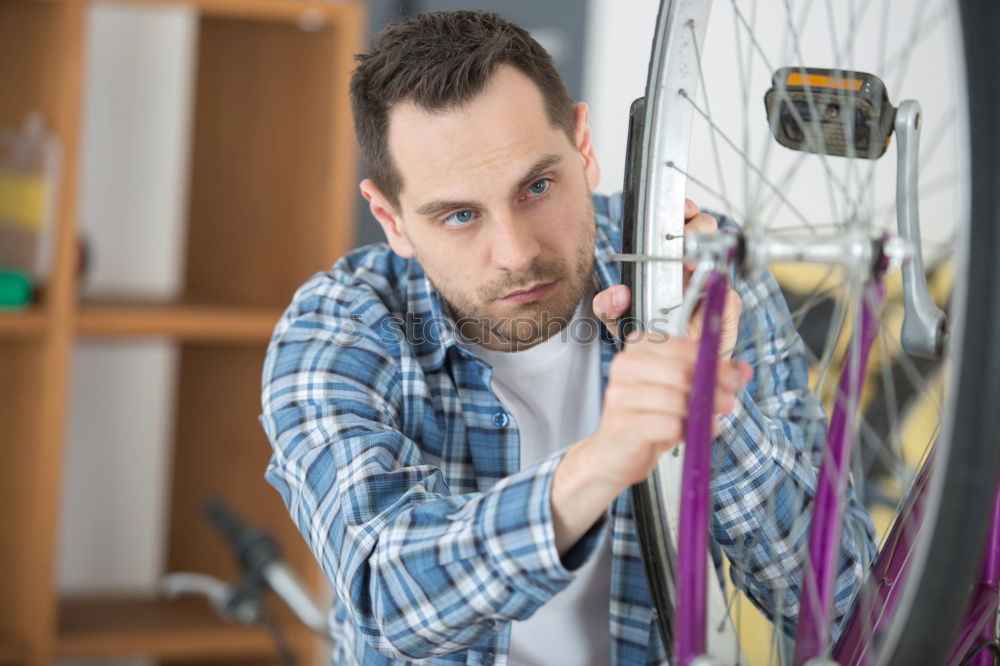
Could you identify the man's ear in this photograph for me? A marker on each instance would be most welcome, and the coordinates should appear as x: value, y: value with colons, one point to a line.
x: 385, y: 213
x: 591, y: 169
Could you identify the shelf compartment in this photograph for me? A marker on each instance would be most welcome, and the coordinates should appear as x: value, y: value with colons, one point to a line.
x: 272, y: 164
x: 27, y: 324
x: 180, y: 321
x: 30, y: 53
x: 9, y: 653
x: 125, y: 626
x: 220, y: 450
x: 304, y: 12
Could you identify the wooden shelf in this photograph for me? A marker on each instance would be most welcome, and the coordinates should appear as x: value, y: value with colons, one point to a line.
x: 311, y: 14
x: 185, y: 322
x: 271, y: 192
x: 45, y: 2
x: 9, y: 653
x: 134, y: 626
x: 22, y: 324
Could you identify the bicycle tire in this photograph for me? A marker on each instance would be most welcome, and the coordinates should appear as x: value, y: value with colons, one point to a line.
x: 939, y: 584
x: 941, y: 591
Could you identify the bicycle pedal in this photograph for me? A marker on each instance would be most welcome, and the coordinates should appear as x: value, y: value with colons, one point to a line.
x: 830, y: 112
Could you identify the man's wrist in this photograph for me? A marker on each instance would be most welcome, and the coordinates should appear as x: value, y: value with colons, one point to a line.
x: 580, y: 494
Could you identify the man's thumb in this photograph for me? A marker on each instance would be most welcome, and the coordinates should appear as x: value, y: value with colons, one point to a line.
x: 611, y: 304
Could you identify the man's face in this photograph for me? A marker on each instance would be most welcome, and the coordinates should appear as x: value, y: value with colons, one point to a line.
x: 496, y: 207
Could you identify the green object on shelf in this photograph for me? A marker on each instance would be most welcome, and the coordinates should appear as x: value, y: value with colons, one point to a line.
x: 15, y: 289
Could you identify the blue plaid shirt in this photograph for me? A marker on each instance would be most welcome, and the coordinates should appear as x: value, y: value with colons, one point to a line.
x: 401, y: 469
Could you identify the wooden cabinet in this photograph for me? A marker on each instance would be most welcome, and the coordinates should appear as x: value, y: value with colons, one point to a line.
x: 271, y: 200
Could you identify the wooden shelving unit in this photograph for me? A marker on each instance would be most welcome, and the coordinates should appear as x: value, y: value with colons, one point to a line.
x: 176, y: 630
x: 271, y: 192
x: 189, y: 323
x: 22, y: 324
x: 9, y: 654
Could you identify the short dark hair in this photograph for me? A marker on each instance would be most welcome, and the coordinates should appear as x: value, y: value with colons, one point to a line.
x: 440, y: 60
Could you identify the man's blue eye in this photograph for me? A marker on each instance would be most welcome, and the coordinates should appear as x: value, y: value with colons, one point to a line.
x: 539, y: 187
x: 459, y: 218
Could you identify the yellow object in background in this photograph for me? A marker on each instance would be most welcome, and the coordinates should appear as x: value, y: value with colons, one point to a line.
x: 23, y: 198
x: 919, y: 419
x: 29, y: 183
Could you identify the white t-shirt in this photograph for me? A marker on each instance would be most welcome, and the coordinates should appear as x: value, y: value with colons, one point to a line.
x: 553, y: 393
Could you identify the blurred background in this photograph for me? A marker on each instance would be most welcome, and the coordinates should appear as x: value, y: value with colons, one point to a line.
x: 170, y: 172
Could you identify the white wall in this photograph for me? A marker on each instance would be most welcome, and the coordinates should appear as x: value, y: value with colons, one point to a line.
x: 619, y: 35
x: 136, y: 127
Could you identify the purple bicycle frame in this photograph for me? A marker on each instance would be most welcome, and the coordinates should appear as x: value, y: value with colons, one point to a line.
x: 876, y: 603
x: 812, y: 637
x: 979, y: 627
x: 692, y: 528
x: 692, y: 540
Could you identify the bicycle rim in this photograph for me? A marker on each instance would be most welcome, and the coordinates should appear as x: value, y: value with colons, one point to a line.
x: 778, y: 191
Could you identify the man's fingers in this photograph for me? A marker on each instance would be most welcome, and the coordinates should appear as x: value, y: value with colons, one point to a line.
x: 690, y: 209
x: 731, y: 312
x: 694, y: 323
x: 644, y: 342
x: 670, y: 364
x: 611, y: 304
x: 702, y: 223
x: 631, y: 369
x: 747, y: 371
x: 633, y: 398
x: 649, y: 398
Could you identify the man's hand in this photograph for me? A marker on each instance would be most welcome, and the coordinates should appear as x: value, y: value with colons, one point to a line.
x: 612, y: 303
x: 646, y: 403
x: 645, y: 406
x: 645, y: 410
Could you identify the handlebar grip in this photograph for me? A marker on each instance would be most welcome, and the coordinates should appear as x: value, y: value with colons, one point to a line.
x: 225, y: 521
x: 254, y: 548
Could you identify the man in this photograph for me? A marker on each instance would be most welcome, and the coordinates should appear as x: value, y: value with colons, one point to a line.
x: 460, y: 465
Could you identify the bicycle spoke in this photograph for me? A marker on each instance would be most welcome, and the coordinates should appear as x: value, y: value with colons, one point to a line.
x: 798, y: 196
x: 716, y: 130
x: 715, y: 143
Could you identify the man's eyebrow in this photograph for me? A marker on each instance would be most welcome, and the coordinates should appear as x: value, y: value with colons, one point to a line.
x: 432, y: 208
x: 540, y: 167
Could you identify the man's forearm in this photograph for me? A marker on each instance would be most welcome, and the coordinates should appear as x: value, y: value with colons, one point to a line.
x: 580, y: 495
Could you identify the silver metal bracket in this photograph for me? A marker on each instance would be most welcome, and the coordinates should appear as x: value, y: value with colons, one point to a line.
x: 924, y: 324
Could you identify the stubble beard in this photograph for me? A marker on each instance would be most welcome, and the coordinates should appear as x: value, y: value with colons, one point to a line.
x: 533, y: 322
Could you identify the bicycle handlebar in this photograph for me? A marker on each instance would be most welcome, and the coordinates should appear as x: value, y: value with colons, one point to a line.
x: 254, y: 549
x: 260, y: 555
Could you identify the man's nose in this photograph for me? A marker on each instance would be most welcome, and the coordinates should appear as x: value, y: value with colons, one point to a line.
x: 514, y: 246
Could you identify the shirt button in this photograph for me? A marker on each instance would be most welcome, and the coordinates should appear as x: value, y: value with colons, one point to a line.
x: 500, y: 419
x: 487, y: 658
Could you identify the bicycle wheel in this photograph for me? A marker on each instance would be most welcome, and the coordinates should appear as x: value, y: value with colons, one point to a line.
x: 708, y: 83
